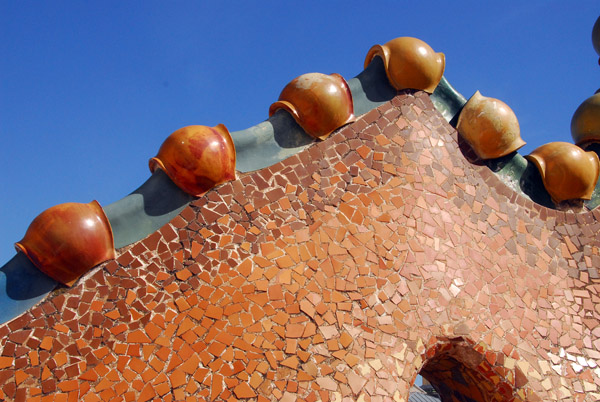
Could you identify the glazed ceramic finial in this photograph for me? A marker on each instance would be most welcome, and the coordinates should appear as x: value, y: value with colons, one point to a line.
x: 197, y: 158
x: 585, y: 124
x: 568, y: 172
x: 67, y: 240
x: 596, y: 37
x: 490, y: 127
x: 319, y: 103
x: 410, y: 63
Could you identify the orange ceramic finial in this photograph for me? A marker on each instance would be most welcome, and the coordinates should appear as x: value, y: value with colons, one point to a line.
x: 585, y: 123
x: 568, y: 172
x: 319, y: 103
x: 67, y: 240
x: 490, y: 127
x: 596, y: 37
x: 197, y: 158
x: 410, y: 63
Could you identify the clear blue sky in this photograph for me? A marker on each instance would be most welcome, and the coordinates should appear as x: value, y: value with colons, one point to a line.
x: 90, y: 89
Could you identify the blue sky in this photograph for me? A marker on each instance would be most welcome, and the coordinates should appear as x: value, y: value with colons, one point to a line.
x: 90, y: 89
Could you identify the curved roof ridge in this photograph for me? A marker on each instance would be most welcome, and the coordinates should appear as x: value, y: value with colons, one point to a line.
x: 159, y: 199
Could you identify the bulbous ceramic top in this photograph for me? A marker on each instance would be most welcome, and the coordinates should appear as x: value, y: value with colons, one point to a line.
x: 319, y: 103
x: 568, y: 172
x: 67, y: 240
x: 197, y: 158
x: 585, y: 124
x: 596, y: 36
x: 410, y: 63
x: 490, y: 127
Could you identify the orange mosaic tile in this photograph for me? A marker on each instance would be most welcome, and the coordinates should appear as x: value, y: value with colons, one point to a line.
x: 339, y: 273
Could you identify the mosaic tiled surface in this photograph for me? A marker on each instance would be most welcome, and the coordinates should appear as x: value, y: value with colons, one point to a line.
x: 337, y: 274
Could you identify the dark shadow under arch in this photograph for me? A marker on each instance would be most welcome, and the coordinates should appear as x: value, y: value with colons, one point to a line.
x: 460, y: 371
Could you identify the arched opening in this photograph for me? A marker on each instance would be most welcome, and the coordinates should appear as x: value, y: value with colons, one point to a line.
x: 461, y: 371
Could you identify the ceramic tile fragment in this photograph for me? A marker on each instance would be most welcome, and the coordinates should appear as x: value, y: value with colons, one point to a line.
x: 336, y: 274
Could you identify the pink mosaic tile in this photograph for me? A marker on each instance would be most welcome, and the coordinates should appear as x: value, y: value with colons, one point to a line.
x: 339, y: 273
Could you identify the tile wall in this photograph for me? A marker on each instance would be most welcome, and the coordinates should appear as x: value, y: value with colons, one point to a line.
x: 335, y: 275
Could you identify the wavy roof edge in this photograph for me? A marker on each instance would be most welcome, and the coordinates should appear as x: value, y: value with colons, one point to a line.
x: 158, y: 200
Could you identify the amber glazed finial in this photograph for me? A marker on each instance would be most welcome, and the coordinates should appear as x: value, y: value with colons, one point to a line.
x: 410, y: 63
x: 585, y: 124
x: 67, y: 240
x: 319, y: 103
x: 568, y: 172
x: 197, y: 158
x: 596, y: 37
x: 490, y: 127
